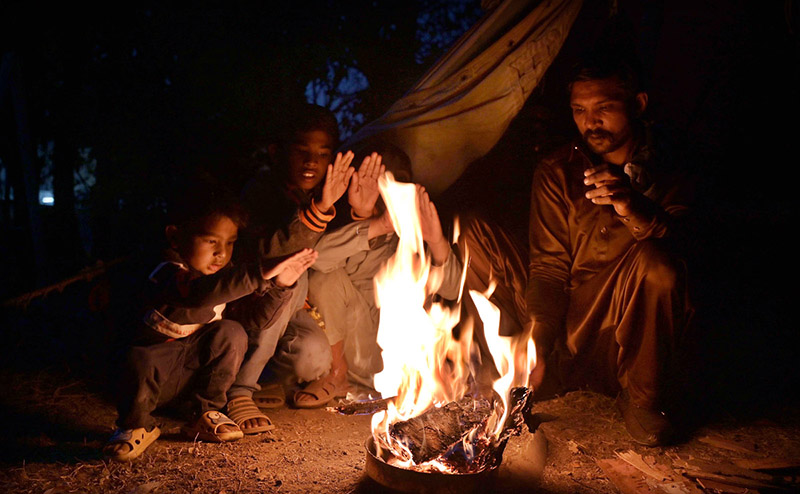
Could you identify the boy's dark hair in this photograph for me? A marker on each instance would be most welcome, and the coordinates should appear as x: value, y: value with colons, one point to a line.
x: 201, y: 199
x: 306, y: 118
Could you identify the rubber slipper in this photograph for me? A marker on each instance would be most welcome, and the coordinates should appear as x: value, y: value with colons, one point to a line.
x: 243, y: 408
x: 138, y: 440
x: 270, y: 396
x: 206, y: 428
x: 323, y: 390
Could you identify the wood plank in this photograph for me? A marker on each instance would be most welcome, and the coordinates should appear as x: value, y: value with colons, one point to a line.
x: 629, y: 480
x: 626, y: 478
x: 739, y: 481
x: 721, y: 442
x: 716, y: 486
x: 768, y: 463
x: 723, y: 468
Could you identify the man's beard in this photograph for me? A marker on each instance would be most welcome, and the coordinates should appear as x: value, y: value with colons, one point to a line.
x: 610, y: 142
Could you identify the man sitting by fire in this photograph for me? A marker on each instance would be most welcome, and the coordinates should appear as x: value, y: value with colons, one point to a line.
x: 607, y: 290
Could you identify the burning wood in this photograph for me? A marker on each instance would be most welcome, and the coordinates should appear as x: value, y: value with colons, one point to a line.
x: 436, y: 431
x: 456, y: 436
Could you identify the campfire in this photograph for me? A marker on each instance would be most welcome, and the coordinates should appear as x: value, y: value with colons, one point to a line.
x: 437, y: 423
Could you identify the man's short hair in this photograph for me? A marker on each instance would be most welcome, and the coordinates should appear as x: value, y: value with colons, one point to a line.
x: 202, y: 198
x: 306, y: 118
x: 607, y: 63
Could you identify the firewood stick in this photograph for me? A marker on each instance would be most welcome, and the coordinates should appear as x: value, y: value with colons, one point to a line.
x: 361, y: 407
x: 739, y: 481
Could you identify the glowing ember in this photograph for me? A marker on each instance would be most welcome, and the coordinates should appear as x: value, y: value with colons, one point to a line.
x: 427, y: 369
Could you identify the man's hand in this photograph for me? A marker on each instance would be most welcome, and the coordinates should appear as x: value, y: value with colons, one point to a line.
x: 612, y: 187
x: 431, y: 227
x: 337, y: 179
x: 363, y: 191
x: 289, y: 269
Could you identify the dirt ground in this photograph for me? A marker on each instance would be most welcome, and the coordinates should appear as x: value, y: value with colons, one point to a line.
x: 55, y: 427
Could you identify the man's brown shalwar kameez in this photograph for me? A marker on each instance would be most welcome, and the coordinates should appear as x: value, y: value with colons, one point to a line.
x: 607, y: 292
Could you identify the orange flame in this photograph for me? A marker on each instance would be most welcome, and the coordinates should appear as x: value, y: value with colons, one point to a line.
x: 424, y: 366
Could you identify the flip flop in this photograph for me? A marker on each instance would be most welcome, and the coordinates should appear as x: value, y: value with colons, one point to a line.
x: 206, y: 428
x: 138, y: 440
x: 323, y: 390
x: 243, y: 408
x: 270, y: 396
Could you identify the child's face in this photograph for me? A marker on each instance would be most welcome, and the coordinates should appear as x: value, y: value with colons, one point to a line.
x: 211, y: 248
x: 309, y: 156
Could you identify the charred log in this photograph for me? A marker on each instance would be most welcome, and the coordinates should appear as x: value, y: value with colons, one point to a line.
x: 432, y: 433
x: 443, y: 432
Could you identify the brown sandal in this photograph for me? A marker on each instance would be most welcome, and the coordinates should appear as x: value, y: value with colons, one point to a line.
x: 323, y: 390
x: 243, y: 408
x: 206, y: 428
x: 270, y: 396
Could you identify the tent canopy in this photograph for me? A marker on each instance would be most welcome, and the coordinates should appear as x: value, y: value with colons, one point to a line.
x: 463, y: 104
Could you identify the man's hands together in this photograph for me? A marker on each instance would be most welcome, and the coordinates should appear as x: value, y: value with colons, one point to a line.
x: 612, y: 188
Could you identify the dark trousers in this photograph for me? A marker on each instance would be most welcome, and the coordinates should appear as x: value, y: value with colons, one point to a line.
x: 200, y: 367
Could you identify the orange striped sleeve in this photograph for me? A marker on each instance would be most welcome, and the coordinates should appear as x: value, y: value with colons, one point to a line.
x: 315, y: 219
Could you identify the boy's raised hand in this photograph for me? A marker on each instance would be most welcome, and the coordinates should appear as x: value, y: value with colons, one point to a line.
x: 363, y: 191
x: 337, y: 179
x: 287, y: 270
x: 432, y: 232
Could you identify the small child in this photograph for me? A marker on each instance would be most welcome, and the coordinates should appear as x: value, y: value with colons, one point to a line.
x: 185, y: 347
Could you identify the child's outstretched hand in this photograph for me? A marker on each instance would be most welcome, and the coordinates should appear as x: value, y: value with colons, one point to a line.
x: 287, y: 270
x: 363, y: 191
x: 431, y: 227
x: 337, y: 178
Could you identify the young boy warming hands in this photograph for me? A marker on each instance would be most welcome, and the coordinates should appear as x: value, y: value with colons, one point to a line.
x: 185, y: 347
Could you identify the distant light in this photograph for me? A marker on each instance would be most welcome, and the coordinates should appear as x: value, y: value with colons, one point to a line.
x: 46, y: 199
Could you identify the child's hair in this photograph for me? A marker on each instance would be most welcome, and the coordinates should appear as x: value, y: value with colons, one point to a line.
x: 203, y: 198
x: 306, y: 118
x: 395, y: 159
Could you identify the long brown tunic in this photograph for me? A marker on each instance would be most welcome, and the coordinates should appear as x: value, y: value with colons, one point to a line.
x: 607, y: 290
